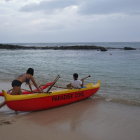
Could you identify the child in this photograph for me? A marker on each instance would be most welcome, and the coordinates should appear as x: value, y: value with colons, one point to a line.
x: 76, y: 83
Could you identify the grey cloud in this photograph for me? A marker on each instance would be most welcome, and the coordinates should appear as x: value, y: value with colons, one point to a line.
x: 110, y: 6
x: 87, y: 7
x: 7, y: 0
x: 48, y: 6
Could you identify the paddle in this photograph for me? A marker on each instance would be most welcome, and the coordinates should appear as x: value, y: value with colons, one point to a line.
x: 53, y: 83
x: 85, y: 77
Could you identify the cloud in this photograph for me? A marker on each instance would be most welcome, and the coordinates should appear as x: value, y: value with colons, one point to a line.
x: 48, y: 6
x: 7, y: 0
x: 86, y: 7
x: 109, y: 7
x: 69, y: 20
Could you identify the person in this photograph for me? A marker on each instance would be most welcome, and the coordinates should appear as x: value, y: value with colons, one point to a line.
x: 26, y: 77
x: 76, y: 83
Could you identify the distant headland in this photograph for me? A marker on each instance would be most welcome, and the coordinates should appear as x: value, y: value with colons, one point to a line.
x: 74, y: 47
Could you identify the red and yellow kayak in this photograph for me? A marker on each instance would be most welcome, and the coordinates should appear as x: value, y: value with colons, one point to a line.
x: 41, y: 101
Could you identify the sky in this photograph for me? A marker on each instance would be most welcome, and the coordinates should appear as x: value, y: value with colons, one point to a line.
x: 36, y: 21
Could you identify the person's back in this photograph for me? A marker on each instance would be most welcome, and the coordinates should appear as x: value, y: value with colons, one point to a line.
x: 24, y: 77
x: 76, y: 83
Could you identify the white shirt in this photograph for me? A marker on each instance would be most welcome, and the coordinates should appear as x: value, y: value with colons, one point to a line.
x: 76, y: 83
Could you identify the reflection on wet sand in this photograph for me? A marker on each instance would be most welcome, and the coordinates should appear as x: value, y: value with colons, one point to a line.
x: 90, y: 119
x: 69, y: 116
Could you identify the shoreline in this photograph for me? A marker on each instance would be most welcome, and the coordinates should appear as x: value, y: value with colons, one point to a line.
x: 88, y: 119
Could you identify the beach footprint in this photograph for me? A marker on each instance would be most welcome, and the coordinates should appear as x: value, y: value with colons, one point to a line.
x: 6, y: 121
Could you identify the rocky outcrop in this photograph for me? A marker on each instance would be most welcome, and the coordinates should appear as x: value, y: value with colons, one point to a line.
x: 129, y: 48
x: 15, y: 47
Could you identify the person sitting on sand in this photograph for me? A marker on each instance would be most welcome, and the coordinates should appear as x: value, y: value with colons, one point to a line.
x: 76, y: 83
x: 26, y: 77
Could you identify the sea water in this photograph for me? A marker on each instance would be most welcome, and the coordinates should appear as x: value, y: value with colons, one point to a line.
x: 118, y: 70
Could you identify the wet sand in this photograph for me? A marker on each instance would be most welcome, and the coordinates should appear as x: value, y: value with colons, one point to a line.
x: 90, y: 119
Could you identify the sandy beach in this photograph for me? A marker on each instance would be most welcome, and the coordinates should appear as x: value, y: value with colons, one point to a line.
x: 90, y: 119
x: 62, y: 37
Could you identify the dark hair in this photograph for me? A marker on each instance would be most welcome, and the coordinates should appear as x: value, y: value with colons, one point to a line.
x: 75, y: 76
x: 30, y: 71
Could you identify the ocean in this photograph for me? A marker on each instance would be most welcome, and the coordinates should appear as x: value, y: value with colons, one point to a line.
x: 118, y: 69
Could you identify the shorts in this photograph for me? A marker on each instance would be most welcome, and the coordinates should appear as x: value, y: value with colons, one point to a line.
x: 16, y: 83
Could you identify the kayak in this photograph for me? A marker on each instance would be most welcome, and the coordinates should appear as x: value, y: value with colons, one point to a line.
x: 35, y: 90
x: 41, y: 101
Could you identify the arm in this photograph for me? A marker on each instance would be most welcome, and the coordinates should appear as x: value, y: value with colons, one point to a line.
x: 82, y: 83
x: 84, y: 79
x: 33, y: 80
x: 30, y: 87
x: 69, y: 86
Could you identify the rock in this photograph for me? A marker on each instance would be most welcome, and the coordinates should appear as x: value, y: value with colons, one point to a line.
x: 102, y: 49
x: 129, y: 48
